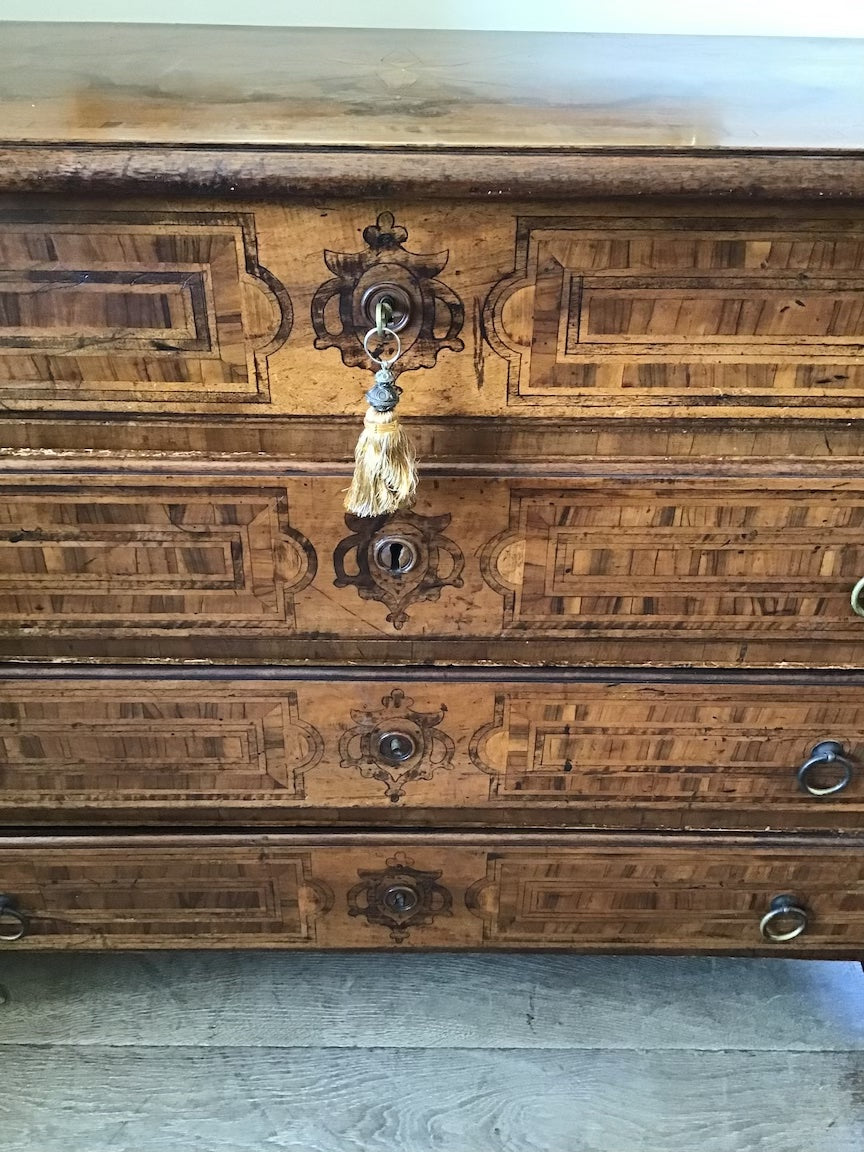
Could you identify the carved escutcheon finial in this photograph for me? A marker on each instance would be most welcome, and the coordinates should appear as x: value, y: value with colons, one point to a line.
x: 395, y: 743
x: 399, y: 897
x: 427, y: 315
x: 396, y: 560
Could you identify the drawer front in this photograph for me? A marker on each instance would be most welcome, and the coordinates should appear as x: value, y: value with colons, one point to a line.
x: 578, y: 571
x: 582, y: 311
x: 482, y: 752
x: 689, y: 315
x: 591, y: 893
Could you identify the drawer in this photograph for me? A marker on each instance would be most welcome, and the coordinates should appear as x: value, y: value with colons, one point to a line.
x: 329, y: 747
x: 586, y: 893
x: 587, y: 570
x: 582, y: 310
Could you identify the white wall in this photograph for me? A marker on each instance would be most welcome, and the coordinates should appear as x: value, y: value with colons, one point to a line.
x: 720, y: 17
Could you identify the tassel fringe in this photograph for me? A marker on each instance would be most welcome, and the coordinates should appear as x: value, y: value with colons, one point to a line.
x: 385, y: 467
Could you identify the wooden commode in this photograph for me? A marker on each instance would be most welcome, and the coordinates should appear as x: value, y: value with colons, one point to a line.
x: 602, y: 686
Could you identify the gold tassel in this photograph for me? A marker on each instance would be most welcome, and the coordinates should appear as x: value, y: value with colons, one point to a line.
x: 385, y: 466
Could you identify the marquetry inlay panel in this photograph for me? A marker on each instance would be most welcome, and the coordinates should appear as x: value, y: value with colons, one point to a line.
x: 692, y: 753
x: 689, y: 315
x: 696, y: 559
x: 181, y: 743
x: 104, y: 309
x: 150, y: 898
x: 653, y: 745
x: 589, y: 892
x: 663, y: 896
x: 151, y: 556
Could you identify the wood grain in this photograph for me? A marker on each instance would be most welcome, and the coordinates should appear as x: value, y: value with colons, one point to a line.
x: 758, y: 176
x: 283, y: 445
x: 402, y: 1000
x: 630, y: 273
x: 229, y: 1100
x: 679, y: 316
x: 589, y: 311
x: 727, y: 572
x: 170, y: 85
x: 589, y: 892
x: 127, y: 306
x: 687, y: 754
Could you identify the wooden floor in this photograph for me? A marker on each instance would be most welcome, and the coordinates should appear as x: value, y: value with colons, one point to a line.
x: 336, y: 1053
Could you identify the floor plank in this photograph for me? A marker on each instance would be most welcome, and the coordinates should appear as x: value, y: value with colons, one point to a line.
x: 240, y: 1100
x: 449, y: 1001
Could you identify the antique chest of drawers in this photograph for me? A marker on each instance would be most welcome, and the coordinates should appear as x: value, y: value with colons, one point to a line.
x: 600, y: 686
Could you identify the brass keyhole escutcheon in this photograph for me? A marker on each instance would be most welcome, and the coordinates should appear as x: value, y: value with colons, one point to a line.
x: 396, y: 555
x: 400, y: 898
x: 396, y: 747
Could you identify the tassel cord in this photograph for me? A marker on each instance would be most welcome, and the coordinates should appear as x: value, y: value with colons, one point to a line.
x: 385, y: 464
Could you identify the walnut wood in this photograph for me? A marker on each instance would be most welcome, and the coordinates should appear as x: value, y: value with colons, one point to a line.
x: 474, y: 445
x: 591, y: 893
x: 692, y: 753
x: 591, y: 311
x: 303, y: 86
x: 544, y: 571
x: 788, y: 678
x: 632, y: 366
x: 434, y: 174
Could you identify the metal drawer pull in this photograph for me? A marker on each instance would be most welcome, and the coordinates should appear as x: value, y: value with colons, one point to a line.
x: 12, y: 924
x: 783, y: 907
x: 826, y: 752
x: 857, y: 596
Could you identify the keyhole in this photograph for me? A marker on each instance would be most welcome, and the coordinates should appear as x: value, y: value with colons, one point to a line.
x: 396, y: 747
x: 400, y: 303
x: 395, y: 555
x: 400, y: 898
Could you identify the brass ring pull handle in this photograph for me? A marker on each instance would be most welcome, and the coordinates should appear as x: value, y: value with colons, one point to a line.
x: 826, y: 752
x: 783, y: 907
x: 13, y: 925
x: 857, y: 597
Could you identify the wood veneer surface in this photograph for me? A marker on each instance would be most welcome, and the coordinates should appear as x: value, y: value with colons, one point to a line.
x: 597, y: 571
x: 638, y: 419
x: 674, y: 754
x: 585, y: 893
x: 596, y: 311
x: 165, y: 85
